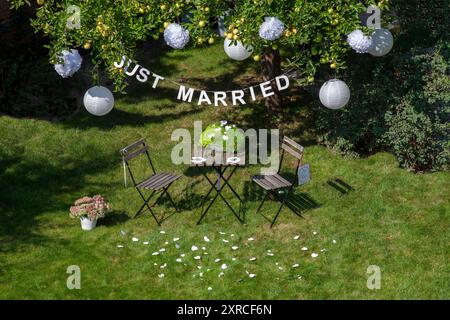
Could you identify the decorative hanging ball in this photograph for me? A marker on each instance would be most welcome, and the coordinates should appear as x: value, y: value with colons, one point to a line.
x: 382, y: 42
x: 98, y: 101
x: 334, y: 94
x: 271, y: 29
x: 176, y: 36
x: 237, y: 51
x: 71, y: 63
x: 359, y: 41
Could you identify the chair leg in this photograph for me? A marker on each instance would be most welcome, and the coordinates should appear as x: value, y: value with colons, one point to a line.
x: 260, y: 206
x: 170, y: 199
x: 281, y: 206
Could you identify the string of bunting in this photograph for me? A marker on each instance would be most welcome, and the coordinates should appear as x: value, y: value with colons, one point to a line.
x: 207, y: 97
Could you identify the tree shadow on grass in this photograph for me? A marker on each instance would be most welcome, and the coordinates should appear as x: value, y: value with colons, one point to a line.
x: 31, y: 187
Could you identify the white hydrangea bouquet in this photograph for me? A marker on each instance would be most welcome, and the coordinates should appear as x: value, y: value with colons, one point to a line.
x: 222, y: 137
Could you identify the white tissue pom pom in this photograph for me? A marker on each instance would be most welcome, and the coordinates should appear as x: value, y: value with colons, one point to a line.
x: 271, y: 29
x: 359, y: 42
x: 176, y: 36
x: 71, y: 63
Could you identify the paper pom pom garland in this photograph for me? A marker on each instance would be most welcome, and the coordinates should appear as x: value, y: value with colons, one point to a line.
x: 176, y: 36
x: 382, y: 42
x: 359, y: 42
x: 98, y: 101
x: 271, y: 29
x: 334, y: 94
x: 237, y: 51
x: 71, y: 63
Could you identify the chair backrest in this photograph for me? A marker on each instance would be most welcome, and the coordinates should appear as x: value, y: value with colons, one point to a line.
x: 134, y: 150
x: 294, y: 149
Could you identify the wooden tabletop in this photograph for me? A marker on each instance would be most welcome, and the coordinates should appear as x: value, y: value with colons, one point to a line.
x: 220, y: 159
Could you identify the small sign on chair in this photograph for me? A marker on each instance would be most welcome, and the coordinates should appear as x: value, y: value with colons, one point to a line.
x: 304, y: 174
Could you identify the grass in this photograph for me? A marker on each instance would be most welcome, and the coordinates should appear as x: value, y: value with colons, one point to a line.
x: 393, y: 219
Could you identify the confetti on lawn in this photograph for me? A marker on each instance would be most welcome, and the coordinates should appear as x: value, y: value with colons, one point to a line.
x: 119, y: 246
x: 123, y: 232
x: 155, y: 253
x: 179, y: 260
x: 197, y: 257
x: 194, y: 248
x: 135, y: 239
x: 206, y: 238
x: 182, y: 255
x: 161, y: 275
x: 177, y: 246
x: 334, y: 241
x: 226, y: 241
x: 222, y: 233
x: 252, y: 275
x: 162, y: 232
x: 295, y: 265
x: 233, y: 259
x: 323, y: 250
x: 223, y: 266
x: 252, y: 259
x: 217, y: 260
x: 163, y: 266
x: 251, y: 239
x: 209, y: 288
x: 221, y: 274
x: 270, y: 254
x: 314, y: 255
x: 235, y: 247
x: 162, y: 250
x: 296, y: 237
x: 145, y: 242
x: 304, y: 249
x: 176, y: 239
x: 315, y: 232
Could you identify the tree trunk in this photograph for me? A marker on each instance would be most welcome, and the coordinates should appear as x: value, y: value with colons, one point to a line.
x: 271, y: 68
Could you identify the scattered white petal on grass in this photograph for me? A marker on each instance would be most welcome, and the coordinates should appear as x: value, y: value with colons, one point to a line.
x: 205, y: 253
x: 234, y: 248
x: 314, y: 255
x: 145, y: 242
x: 233, y: 259
x: 304, y: 249
x: 182, y: 255
x: 163, y: 266
x: 135, y: 239
x: 201, y: 274
x: 221, y: 274
x: 204, y: 248
x: 252, y: 259
x: 217, y: 260
x: 270, y: 254
x: 223, y: 266
x: 155, y: 253
x: 295, y: 265
x: 281, y: 268
x: 199, y: 267
x: 209, y: 288
x: 300, y: 277
x: 222, y: 233
x: 161, y: 275
x: 276, y: 263
x: 231, y: 235
x: 177, y: 246
x: 334, y: 241
x: 119, y: 246
x: 315, y: 232
x: 162, y: 250
x: 226, y: 241
x: 166, y: 243
x: 269, y: 250
x: 206, y: 238
x: 176, y: 239
x: 252, y: 275
x: 251, y: 239
x: 155, y: 264
x: 197, y: 257
x: 323, y: 250
x: 194, y: 248
x: 208, y: 270
x: 296, y: 237
x: 162, y: 232
x: 179, y: 260
x: 123, y: 232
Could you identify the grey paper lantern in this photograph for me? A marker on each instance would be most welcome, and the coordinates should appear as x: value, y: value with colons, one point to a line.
x: 237, y: 51
x: 334, y: 94
x: 382, y: 42
x: 98, y: 101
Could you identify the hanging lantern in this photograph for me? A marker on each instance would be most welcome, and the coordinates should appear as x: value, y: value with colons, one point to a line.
x: 382, y: 42
x: 359, y: 42
x: 71, y: 63
x: 98, y: 101
x: 176, y: 36
x: 334, y: 94
x: 271, y: 29
x: 237, y: 51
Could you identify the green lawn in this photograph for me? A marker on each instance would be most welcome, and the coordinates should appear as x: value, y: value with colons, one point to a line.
x: 394, y: 219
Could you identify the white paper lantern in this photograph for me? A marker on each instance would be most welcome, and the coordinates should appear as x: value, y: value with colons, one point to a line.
x: 98, y: 101
x: 334, y: 94
x: 71, y: 63
x: 176, y: 36
x: 271, y: 29
x: 382, y: 42
x: 359, y: 41
x: 237, y: 51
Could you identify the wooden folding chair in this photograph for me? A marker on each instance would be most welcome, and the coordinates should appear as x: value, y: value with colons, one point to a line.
x: 156, y: 183
x: 273, y: 183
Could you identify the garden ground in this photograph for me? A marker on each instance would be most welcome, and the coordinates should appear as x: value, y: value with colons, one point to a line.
x: 392, y: 218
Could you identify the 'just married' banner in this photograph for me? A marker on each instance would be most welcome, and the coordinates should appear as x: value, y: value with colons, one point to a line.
x: 206, y: 97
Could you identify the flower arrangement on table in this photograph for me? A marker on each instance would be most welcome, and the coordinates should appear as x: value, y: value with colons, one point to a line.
x: 222, y: 137
x: 89, y: 210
